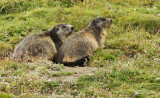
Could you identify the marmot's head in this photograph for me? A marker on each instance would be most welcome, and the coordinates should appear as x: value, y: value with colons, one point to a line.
x: 101, y: 22
x: 62, y: 31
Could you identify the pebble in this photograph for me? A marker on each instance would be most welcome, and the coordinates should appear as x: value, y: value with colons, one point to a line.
x: 158, y: 14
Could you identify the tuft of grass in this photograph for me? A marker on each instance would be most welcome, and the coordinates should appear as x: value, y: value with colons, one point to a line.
x: 5, y: 46
x: 12, y: 6
x: 4, y: 95
x: 100, y: 58
x: 145, y: 21
x: 129, y: 48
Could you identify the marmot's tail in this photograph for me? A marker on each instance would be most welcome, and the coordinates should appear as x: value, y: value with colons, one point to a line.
x: 80, y: 62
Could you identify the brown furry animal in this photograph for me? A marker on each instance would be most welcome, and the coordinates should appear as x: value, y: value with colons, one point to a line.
x: 44, y: 45
x: 76, y: 49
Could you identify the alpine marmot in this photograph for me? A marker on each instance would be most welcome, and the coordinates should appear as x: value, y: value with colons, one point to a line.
x: 44, y: 45
x: 77, y: 49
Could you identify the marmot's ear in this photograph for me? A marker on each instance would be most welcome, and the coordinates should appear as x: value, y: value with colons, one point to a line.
x: 56, y: 28
x: 94, y: 22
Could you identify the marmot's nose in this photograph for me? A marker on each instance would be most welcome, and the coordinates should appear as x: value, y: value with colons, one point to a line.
x: 72, y: 28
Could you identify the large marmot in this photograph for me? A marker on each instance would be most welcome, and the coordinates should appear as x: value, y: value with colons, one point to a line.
x: 44, y: 45
x: 76, y: 49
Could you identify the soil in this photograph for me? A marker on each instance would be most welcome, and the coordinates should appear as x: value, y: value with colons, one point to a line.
x: 79, y: 71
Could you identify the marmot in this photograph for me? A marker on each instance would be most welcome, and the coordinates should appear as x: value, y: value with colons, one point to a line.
x: 44, y: 45
x: 76, y: 49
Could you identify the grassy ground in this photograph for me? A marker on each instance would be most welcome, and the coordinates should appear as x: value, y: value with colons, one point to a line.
x: 130, y: 59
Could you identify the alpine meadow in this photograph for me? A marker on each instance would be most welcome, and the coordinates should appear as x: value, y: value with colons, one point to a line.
x: 128, y: 65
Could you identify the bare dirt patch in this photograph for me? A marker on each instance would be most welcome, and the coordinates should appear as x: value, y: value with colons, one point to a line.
x: 47, y: 71
x: 79, y: 71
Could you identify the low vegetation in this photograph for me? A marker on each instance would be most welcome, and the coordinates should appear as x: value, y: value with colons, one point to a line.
x: 130, y: 59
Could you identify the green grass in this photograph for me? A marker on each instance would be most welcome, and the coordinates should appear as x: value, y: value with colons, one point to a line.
x: 130, y: 59
x: 4, y: 95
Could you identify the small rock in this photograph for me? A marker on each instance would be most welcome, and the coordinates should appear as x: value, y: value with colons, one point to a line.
x: 148, y: 8
x: 157, y: 78
x: 1, y: 80
x: 90, y: 74
x: 136, y: 94
x: 49, y: 80
x: 29, y: 79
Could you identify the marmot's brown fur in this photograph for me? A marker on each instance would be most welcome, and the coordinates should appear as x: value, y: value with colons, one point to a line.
x: 76, y: 49
x: 44, y: 45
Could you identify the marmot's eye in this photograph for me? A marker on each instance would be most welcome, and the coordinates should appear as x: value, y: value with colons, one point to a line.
x: 103, y: 19
x: 63, y: 26
x: 72, y: 28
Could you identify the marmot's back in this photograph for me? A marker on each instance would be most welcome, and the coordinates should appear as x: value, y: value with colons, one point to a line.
x: 35, y: 45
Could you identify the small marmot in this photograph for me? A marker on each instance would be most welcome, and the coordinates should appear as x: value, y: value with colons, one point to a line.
x: 77, y: 49
x: 44, y: 45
